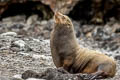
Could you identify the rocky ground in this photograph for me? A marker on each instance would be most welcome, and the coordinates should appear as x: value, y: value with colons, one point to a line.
x: 24, y: 44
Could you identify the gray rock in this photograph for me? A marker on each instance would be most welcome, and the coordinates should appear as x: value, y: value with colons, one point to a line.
x: 4, y: 78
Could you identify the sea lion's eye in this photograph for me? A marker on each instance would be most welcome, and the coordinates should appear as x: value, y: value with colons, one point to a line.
x: 63, y: 18
x: 68, y: 20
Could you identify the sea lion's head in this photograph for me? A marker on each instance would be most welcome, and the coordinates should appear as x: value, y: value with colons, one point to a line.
x: 63, y: 26
x: 62, y: 19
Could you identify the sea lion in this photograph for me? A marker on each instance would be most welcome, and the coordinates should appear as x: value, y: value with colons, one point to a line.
x: 67, y: 53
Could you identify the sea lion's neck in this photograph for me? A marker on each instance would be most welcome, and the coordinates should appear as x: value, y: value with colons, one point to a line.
x: 64, y: 37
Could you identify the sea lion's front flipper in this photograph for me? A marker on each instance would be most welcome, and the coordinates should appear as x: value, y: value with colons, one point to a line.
x: 61, y: 69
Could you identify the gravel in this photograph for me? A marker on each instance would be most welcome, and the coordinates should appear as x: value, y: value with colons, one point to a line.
x: 27, y: 47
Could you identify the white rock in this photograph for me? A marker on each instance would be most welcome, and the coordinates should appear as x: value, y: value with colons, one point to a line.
x: 38, y: 56
x: 20, y: 43
x: 43, y: 22
x: 22, y: 53
x: 32, y: 19
x: 37, y: 40
x: 17, y: 76
x: 9, y: 34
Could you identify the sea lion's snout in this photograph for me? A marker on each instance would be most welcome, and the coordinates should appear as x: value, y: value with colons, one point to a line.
x: 57, y: 14
x: 58, y: 17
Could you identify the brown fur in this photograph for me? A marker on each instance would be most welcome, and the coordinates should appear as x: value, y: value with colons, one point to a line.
x: 67, y: 53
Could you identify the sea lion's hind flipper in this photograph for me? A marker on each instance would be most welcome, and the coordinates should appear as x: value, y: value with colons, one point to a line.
x: 96, y: 75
